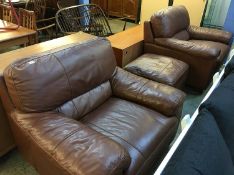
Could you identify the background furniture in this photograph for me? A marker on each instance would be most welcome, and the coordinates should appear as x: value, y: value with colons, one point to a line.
x: 43, y: 22
x: 128, y: 9
x: 101, y: 3
x: 92, y: 132
x: 127, y: 45
x: 169, y: 33
x: 88, y: 18
x: 210, y: 134
x: 124, y: 8
x: 17, y: 37
x: 66, y: 3
x: 28, y: 20
x: 5, y: 13
x: 6, y: 138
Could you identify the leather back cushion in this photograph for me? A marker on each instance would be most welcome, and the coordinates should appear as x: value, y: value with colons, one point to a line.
x: 87, y: 102
x: 167, y: 22
x: 46, y: 81
x: 182, y: 35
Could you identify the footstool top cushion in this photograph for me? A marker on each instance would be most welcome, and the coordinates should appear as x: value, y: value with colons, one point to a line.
x: 158, y: 68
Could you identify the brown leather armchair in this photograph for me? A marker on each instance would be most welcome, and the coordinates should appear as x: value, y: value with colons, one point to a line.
x: 169, y: 33
x: 74, y: 112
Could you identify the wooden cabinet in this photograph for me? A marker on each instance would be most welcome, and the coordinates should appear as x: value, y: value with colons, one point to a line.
x: 115, y: 8
x: 102, y: 3
x: 120, y: 8
x: 51, y: 3
x: 130, y: 9
x: 124, y: 8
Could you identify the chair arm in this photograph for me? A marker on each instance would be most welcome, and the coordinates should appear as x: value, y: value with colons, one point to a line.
x: 46, y: 20
x: 209, y: 34
x: 162, y: 98
x: 148, y: 34
x: 67, y: 146
x: 188, y: 47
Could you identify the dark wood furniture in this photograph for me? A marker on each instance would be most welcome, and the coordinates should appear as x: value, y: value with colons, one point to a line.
x: 115, y: 8
x: 120, y: 8
x: 101, y: 3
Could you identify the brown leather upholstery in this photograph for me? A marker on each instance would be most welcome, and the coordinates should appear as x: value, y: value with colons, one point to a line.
x: 169, y: 33
x: 77, y: 113
x: 6, y: 137
x: 160, y: 68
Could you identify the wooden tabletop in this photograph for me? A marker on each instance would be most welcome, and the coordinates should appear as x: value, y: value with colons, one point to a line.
x: 7, y: 35
x: 125, y: 39
x: 9, y: 57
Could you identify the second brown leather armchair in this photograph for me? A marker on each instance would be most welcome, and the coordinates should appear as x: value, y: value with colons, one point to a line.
x: 74, y: 112
x: 169, y: 33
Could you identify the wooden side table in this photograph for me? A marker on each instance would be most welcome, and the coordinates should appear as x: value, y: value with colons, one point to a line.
x: 127, y: 45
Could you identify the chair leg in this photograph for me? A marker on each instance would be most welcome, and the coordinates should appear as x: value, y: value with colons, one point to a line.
x: 125, y: 24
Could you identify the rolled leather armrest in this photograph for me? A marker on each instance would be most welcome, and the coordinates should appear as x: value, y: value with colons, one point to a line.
x: 162, y: 98
x: 203, y: 33
x: 66, y: 146
x: 188, y: 47
x: 148, y: 34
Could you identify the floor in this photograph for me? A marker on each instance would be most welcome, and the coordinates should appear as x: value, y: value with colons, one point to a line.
x: 13, y: 163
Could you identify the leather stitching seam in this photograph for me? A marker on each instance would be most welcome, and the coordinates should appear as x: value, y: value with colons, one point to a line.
x: 12, y: 77
x: 69, y: 83
x: 118, y: 137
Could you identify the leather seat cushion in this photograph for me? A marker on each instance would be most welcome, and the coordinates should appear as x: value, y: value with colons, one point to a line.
x: 159, y: 68
x: 224, y: 48
x: 137, y: 128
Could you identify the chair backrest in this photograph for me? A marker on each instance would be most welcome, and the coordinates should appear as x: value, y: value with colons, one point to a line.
x: 66, y: 3
x: 88, y: 18
x: 64, y: 78
x: 27, y: 19
x: 171, y: 22
x: 6, y: 13
x: 38, y: 6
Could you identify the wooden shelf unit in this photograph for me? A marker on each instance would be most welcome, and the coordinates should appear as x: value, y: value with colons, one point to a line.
x: 128, y: 9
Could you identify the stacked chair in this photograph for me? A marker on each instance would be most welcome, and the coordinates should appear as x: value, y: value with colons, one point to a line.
x: 66, y: 3
x: 5, y: 13
x: 43, y: 23
x: 88, y: 18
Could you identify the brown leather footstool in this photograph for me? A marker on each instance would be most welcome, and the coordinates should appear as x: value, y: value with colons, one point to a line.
x: 160, y: 68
